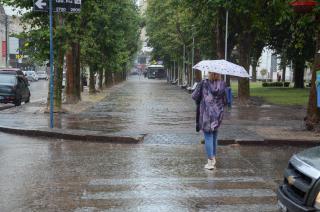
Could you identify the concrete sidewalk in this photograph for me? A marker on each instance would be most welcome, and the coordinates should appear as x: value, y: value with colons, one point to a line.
x: 165, y: 114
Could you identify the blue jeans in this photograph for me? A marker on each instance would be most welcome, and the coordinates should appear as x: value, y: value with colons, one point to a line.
x: 210, y: 139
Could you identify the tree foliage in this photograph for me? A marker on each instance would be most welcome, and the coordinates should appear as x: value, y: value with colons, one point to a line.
x: 252, y: 26
x: 107, y: 32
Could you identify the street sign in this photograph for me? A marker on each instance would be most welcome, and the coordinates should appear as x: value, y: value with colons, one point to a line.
x: 58, y: 6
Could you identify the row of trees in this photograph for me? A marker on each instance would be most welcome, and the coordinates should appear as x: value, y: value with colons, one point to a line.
x: 173, y: 24
x: 103, y: 38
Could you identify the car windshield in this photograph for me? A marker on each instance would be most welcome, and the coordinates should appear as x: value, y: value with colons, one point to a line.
x: 7, y: 79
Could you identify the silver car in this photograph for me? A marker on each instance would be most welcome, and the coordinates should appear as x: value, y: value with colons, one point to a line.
x: 31, y: 76
x: 42, y: 75
x: 300, y: 190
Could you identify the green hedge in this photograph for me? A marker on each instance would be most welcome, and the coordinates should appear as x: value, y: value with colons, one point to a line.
x: 275, y: 84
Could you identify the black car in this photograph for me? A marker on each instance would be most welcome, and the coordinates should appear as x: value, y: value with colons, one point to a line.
x: 300, y: 190
x: 13, y: 88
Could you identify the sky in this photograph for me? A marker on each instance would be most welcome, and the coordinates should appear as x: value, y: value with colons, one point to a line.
x: 10, y: 10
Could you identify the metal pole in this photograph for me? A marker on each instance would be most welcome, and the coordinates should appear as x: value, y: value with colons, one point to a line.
x: 178, y: 72
x: 51, y: 64
x: 226, y: 40
x: 171, y: 73
x: 184, y: 63
x: 6, y: 22
x: 174, y: 70
x: 192, y: 61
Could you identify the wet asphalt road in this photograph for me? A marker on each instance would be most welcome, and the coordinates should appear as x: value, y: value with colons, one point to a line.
x: 57, y: 175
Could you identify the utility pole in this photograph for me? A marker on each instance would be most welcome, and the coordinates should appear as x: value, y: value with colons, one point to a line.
x: 6, y: 23
x: 192, y: 62
x: 174, y: 70
x: 226, y: 41
x: 51, y: 62
x: 184, y: 63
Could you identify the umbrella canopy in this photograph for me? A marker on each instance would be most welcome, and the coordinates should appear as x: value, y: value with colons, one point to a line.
x: 222, y: 67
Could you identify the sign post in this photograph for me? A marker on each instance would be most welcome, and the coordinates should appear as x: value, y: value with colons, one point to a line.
x: 318, y: 87
x: 51, y: 62
x: 58, y: 6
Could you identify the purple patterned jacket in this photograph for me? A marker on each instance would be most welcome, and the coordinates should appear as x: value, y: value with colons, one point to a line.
x: 211, y: 104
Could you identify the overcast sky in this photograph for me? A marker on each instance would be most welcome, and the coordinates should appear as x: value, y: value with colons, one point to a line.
x: 11, y: 10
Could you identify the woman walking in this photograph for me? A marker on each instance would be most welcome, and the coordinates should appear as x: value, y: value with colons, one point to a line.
x: 211, y: 97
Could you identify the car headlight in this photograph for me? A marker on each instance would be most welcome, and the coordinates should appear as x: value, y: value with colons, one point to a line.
x: 317, y: 202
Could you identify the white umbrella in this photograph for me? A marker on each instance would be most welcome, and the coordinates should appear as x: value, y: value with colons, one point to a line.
x: 222, y: 67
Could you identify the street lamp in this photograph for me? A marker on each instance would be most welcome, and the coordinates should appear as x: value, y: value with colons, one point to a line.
x: 226, y: 41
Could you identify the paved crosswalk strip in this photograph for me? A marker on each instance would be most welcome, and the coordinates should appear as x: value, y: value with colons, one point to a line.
x: 180, y: 194
x: 146, y: 194
x: 145, y: 181
x: 161, y: 208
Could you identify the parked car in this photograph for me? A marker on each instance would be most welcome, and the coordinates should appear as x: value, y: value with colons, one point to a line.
x: 300, y: 190
x: 32, y: 76
x: 16, y: 71
x: 13, y: 88
x: 42, y: 75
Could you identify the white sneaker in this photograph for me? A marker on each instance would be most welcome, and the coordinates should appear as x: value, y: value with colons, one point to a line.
x: 211, y: 164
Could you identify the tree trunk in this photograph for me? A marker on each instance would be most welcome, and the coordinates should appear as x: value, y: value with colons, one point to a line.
x: 109, y: 78
x: 77, y: 71
x: 73, y: 94
x: 298, y: 65
x: 82, y: 75
x: 254, y: 70
x: 244, y: 58
x: 92, y: 81
x: 101, y: 79
x: 105, y: 78
x: 313, y: 113
x: 197, y: 59
x: 58, y: 75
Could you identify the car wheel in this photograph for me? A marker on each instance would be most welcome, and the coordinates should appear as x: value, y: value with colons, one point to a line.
x: 17, y: 102
x: 28, y: 99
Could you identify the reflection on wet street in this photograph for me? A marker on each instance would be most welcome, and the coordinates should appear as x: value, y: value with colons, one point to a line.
x: 57, y: 175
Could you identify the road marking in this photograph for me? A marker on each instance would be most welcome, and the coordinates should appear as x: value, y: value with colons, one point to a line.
x: 144, y: 193
x: 173, y: 181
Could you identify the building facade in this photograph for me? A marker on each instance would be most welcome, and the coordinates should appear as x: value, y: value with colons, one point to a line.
x: 10, y: 45
x: 270, y: 61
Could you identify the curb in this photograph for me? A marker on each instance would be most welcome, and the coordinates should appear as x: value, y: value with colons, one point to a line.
x: 79, y: 135
x: 269, y: 142
x: 92, y: 136
x: 277, y: 142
